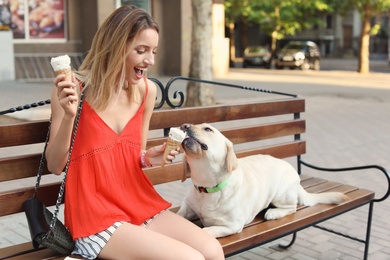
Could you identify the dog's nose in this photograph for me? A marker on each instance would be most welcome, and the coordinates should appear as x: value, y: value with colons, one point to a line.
x: 185, y: 127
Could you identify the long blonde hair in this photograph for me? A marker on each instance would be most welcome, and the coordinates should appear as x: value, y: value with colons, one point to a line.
x: 103, y: 69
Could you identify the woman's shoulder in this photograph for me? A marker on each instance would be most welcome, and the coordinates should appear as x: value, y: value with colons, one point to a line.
x: 151, y: 86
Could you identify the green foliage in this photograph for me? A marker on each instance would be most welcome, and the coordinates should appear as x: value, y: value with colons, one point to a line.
x: 376, y: 5
x: 278, y: 17
x: 375, y: 29
x: 286, y: 17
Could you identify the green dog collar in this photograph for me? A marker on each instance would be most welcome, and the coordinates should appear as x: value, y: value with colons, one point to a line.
x: 216, y: 188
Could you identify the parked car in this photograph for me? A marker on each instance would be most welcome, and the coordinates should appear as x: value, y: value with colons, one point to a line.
x: 299, y: 54
x: 257, y: 56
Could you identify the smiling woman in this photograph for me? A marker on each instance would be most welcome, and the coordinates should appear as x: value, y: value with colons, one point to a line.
x: 112, y: 209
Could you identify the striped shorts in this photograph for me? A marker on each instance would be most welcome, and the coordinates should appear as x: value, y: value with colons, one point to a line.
x: 90, y: 247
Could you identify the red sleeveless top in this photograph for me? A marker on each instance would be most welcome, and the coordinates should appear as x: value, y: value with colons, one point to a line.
x: 105, y: 182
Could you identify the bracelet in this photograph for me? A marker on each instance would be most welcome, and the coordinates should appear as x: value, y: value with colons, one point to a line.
x: 143, y: 163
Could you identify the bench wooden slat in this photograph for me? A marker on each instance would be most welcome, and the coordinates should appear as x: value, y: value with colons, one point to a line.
x: 23, y: 133
x: 218, y: 113
x: 44, y: 254
x: 12, y: 201
x: 12, y: 250
x: 324, y: 187
x: 262, y: 132
x: 18, y: 167
x: 312, y: 181
x: 29, y: 253
x: 279, y: 151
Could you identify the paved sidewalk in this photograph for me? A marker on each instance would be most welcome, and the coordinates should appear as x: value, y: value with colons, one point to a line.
x: 348, y: 122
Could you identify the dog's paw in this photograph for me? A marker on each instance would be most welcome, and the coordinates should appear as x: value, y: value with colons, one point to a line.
x: 219, y: 231
x: 277, y: 213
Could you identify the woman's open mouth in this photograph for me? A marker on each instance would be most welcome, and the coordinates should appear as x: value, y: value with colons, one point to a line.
x: 140, y: 72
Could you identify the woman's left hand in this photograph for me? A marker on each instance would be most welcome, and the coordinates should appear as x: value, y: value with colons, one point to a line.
x: 154, y: 155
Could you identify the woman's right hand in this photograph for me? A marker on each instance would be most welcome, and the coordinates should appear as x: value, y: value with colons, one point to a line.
x: 64, y: 104
x: 67, y: 94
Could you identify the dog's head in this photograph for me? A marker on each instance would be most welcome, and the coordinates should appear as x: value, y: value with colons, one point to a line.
x: 207, y: 149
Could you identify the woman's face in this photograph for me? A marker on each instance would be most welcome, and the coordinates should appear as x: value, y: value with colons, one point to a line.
x: 141, y: 55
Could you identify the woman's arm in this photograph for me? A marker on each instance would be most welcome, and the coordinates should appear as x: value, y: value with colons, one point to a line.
x: 64, y: 101
x: 149, y: 107
x: 153, y: 156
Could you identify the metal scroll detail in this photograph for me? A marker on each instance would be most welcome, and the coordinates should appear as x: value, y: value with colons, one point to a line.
x: 161, y: 87
x: 176, y: 94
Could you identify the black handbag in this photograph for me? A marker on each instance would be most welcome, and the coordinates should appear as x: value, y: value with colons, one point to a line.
x: 45, y: 228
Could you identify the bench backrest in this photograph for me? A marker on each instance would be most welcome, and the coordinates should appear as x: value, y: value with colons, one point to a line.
x: 269, y: 127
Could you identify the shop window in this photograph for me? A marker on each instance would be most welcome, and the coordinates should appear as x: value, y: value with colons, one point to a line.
x: 5, y: 16
x: 37, y: 20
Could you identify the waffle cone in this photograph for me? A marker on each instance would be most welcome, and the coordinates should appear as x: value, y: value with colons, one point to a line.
x: 171, y: 145
x: 67, y: 72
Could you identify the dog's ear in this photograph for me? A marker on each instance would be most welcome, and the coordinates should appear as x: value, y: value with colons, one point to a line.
x: 186, y: 170
x: 231, y: 158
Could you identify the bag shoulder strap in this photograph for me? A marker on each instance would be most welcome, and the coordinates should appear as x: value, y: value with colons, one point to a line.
x: 43, y: 158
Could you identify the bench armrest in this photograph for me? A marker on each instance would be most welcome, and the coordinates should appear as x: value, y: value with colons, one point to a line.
x: 380, y: 168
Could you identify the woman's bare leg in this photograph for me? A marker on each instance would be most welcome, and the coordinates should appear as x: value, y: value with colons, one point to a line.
x: 134, y: 242
x: 178, y: 228
x: 168, y: 236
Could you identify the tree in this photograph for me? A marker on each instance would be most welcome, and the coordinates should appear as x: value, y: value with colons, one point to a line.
x: 364, y: 53
x: 199, y: 94
x: 278, y: 18
x: 368, y: 9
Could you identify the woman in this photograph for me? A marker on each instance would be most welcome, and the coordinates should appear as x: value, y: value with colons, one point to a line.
x: 111, y: 208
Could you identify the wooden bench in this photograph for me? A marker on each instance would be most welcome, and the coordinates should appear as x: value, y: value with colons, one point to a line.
x: 273, y: 126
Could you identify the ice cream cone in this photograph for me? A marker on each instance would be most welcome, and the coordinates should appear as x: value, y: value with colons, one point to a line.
x: 61, y: 65
x: 67, y: 72
x: 171, y: 145
x: 176, y: 137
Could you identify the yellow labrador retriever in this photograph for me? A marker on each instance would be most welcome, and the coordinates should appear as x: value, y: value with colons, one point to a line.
x: 229, y: 192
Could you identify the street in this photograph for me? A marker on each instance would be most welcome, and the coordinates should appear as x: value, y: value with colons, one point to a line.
x: 310, y: 83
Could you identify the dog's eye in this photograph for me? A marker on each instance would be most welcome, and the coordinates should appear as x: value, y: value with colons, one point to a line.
x: 208, y: 129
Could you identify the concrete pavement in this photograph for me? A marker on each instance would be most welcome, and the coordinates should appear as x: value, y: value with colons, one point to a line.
x: 348, y: 122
